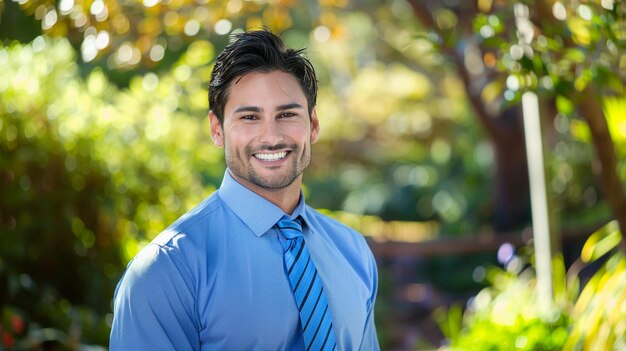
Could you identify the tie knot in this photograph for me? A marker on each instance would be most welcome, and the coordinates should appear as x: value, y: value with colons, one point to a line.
x: 290, y: 228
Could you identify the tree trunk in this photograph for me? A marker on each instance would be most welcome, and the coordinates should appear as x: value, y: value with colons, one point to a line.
x: 512, y: 197
x: 606, y: 165
x: 504, y: 128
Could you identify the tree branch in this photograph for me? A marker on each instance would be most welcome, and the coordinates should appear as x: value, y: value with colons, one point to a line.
x: 425, y: 16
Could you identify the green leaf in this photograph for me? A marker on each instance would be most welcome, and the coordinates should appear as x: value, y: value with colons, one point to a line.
x: 450, y: 321
x: 575, y: 55
x: 601, y: 242
x: 615, y: 112
x: 580, y: 83
x: 564, y: 105
x: 580, y: 130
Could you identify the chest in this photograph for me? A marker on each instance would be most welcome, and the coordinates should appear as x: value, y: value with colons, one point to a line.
x: 245, y: 301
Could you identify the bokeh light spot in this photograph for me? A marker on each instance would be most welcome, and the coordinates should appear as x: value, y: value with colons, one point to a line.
x: 321, y: 34
x: 223, y: 27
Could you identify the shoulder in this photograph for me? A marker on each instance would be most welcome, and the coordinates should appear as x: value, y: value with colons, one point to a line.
x: 192, y: 226
x: 177, y: 249
x: 320, y: 220
x: 343, y: 236
x: 154, y: 278
x: 199, y: 215
x: 150, y: 266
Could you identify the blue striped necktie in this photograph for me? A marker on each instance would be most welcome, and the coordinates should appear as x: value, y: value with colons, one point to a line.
x: 315, y: 319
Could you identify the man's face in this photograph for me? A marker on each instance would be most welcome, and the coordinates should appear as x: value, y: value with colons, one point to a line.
x: 267, y: 131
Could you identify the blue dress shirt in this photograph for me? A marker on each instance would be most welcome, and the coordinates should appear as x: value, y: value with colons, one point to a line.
x: 215, y: 280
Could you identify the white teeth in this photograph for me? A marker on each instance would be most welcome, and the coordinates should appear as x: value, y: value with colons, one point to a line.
x: 271, y: 157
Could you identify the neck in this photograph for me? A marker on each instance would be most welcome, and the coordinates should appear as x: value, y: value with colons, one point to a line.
x: 286, y: 198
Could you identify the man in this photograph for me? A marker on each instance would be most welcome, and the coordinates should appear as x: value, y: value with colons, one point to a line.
x: 252, y: 267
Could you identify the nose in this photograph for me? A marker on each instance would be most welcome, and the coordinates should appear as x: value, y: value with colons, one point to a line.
x: 270, y: 132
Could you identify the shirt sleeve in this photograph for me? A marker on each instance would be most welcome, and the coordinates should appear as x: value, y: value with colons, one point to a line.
x: 370, y: 337
x: 153, y: 307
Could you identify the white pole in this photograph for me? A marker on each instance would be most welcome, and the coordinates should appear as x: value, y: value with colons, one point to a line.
x: 538, y: 199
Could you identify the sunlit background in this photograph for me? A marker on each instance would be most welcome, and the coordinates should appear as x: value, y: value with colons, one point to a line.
x: 104, y: 142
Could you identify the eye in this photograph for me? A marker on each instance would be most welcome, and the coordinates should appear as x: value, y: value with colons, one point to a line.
x: 287, y: 114
x: 249, y: 117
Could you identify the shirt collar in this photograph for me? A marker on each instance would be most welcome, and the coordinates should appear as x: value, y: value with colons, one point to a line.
x: 256, y: 212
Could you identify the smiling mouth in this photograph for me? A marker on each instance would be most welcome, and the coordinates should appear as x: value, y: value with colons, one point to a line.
x: 271, y: 157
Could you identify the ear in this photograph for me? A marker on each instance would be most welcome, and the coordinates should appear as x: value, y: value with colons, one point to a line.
x: 315, y: 126
x: 217, y: 133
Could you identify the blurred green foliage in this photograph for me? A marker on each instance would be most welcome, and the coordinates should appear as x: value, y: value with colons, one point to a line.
x: 90, y: 173
x: 402, y: 136
x: 571, y: 54
x: 509, y: 315
x: 600, y: 309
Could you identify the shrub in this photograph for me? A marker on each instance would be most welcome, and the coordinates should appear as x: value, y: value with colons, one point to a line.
x: 509, y: 314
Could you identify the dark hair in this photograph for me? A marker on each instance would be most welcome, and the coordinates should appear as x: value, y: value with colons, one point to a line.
x: 258, y: 51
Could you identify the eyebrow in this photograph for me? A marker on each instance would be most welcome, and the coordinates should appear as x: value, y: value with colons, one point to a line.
x: 248, y: 109
x: 293, y: 105
x: 289, y: 106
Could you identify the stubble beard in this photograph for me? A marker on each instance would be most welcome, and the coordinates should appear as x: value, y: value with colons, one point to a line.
x: 241, y: 166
